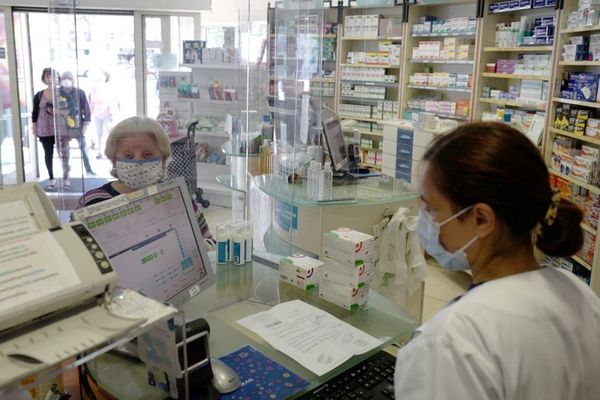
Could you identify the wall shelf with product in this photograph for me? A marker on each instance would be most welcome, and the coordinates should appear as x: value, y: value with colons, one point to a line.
x: 368, y: 91
x: 572, y: 147
x: 516, y: 64
x: 437, y: 82
x: 440, y: 53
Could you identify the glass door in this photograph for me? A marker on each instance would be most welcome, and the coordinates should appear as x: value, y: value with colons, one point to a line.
x: 95, y: 53
x: 8, y: 170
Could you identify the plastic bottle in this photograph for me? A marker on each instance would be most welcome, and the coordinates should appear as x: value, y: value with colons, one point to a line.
x: 223, y: 243
x: 326, y: 183
x: 267, y: 128
x: 316, y: 181
x: 310, y: 179
x: 238, y: 245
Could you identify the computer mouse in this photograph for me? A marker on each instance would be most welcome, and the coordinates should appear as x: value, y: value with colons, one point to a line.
x: 225, y: 379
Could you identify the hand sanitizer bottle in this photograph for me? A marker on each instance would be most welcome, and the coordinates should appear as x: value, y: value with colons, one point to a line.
x: 326, y: 183
x: 223, y: 237
x: 238, y: 246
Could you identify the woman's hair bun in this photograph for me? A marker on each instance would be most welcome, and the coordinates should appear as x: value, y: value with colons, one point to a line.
x: 564, y: 237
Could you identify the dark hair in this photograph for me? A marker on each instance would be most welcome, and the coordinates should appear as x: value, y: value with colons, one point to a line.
x: 492, y: 163
x: 49, y: 71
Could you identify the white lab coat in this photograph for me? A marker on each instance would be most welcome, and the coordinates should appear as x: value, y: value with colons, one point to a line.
x: 529, y: 336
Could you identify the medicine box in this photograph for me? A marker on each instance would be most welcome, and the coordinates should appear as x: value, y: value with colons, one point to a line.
x: 345, y: 274
x: 346, y: 297
x: 300, y: 270
x: 349, y: 246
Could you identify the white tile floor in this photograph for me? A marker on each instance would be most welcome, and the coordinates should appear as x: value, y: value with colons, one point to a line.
x: 441, y: 286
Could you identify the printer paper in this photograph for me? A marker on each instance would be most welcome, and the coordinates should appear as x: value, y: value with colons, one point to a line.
x: 15, y: 220
x: 314, y: 338
x: 32, y: 267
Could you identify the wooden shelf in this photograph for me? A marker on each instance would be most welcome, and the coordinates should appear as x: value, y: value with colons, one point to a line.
x: 588, y: 228
x: 580, y: 63
x: 582, y: 262
x: 364, y: 38
x: 515, y: 76
x: 371, y: 83
x: 591, y: 188
x: 521, y: 9
x: 514, y: 103
x: 453, y: 34
x: 587, y: 139
x: 370, y: 65
x: 580, y: 29
x: 362, y: 99
x: 361, y: 118
x: 521, y: 49
x: 363, y: 132
x: 576, y: 102
x: 420, y: 61
x: 446, y: 89
x: 320, y: 80
x: 441, y: 115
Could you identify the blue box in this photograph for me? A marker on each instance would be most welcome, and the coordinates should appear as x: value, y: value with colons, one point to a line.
x: 493, y: 8
x: 513, y: 4
x: 585, y: 85
x: 503, y: 6
x: 524, y: 3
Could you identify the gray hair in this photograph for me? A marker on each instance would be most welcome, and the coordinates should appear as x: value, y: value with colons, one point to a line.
x: 135, y: 126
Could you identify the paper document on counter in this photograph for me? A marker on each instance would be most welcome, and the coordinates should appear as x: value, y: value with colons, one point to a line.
x: 15, y: 220
x: 32, y: 267
x: 316, y: 339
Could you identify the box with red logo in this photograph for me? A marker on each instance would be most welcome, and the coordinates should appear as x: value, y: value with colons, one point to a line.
x: 349, y: 246
x: 354, y: 276
x: 300, y: 270
x: 344, y: 296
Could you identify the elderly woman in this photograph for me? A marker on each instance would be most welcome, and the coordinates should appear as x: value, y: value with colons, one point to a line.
x: 139, y: 150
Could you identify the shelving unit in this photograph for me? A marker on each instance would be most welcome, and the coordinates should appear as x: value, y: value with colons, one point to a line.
x: 452, y: 97
x: 525, y: 93
x: 563, y: 132
x: 368, y: 131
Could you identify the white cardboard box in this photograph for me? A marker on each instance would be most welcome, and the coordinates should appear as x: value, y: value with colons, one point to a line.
x: 344, y: 274
x: 349, y: 246
x: 346, y: 297
x: 300, y: 270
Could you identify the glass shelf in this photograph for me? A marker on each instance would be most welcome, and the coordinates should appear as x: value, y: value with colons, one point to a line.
x: 232, y: 182
x: 227, y: 149
x: 364, y: 191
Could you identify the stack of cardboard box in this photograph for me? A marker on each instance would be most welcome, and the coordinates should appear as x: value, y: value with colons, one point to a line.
x: 348, y: 264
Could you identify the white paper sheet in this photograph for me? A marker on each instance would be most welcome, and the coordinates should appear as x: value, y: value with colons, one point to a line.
x: 32, y: 267
x: 316, y: 339
x: 15, y: 220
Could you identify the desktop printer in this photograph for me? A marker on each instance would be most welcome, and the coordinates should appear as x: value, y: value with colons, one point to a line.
x: 54, y: 287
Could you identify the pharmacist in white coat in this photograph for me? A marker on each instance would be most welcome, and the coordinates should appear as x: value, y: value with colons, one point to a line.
x: 524, y: 331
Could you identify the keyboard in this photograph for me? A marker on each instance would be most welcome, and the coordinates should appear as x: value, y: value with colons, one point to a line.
x: 371, y: 379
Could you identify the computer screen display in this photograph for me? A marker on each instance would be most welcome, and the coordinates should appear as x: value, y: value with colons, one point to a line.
x: 153, y: 241
x: 334, y: 138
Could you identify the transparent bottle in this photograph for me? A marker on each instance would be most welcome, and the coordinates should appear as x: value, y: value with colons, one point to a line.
x: 316, y: 181
x: 326, y: 183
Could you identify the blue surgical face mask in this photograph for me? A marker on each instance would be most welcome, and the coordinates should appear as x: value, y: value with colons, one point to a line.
x: 429, y: 233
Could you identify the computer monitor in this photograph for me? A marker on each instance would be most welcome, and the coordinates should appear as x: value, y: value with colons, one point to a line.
x: 153, y: 241
x: 336, y: 146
